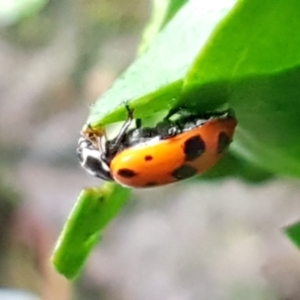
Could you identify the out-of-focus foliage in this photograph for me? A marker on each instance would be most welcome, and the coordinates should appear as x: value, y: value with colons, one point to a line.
x: 13, y: 10
x: 293, y: 232
x: 51, y: 56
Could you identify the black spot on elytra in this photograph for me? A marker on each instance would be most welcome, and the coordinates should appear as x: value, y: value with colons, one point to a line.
x: 126, y: 173
x: 151, y: 183
x: 148, y: 157
x: 223, y: 142
x: 193, y: 148
x: 184, y: 172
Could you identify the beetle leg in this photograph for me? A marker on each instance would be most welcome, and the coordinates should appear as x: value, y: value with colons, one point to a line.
x: 118, y: 140
x: 138, y: 123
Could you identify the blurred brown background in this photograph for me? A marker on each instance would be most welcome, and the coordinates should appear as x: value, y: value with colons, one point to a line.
x: 196, y: 240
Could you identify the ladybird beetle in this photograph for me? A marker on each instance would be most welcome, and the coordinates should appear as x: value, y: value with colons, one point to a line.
x: 173, y: 150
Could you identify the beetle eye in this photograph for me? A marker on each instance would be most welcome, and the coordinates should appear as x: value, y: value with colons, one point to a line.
x: 93, y: 164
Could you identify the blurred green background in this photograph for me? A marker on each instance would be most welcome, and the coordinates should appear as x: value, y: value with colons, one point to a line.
x: 194, y: 240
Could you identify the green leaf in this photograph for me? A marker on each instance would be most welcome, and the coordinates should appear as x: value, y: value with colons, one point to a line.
x: 293, y: 233
x: 252, y: 62
x: 235, y: 166
x: 95, y: 207
x: 163, y: 11
x: 154, y: 81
